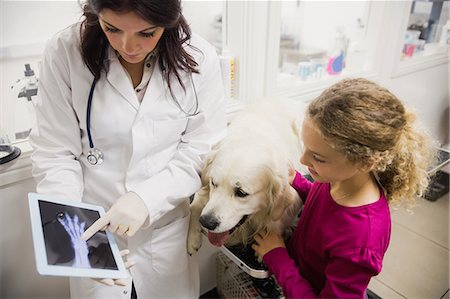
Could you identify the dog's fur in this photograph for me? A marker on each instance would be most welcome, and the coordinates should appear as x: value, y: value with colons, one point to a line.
x: 245, y: 179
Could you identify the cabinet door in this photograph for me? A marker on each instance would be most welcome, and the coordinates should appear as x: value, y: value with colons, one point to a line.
x: 319, y: 42
x: 428, y: 29
x: 424, y: 36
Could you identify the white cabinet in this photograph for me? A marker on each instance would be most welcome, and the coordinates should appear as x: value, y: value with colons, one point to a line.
x: 291, y: 48
x: 296, y: 48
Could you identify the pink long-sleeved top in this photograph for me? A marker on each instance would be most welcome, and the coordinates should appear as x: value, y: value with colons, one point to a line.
x: 335, y: 250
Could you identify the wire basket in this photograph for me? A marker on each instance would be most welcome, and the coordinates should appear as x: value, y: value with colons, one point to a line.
x: 233, y: 283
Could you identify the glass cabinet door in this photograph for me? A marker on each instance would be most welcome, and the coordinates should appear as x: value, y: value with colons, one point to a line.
x: 428, y: 30
x: 322, y: 41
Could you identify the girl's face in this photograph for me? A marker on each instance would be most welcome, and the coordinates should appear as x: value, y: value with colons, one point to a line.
x: 129, y: 34
x: 324, y: 163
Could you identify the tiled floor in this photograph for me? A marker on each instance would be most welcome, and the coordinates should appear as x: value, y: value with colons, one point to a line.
x: 417, y: 262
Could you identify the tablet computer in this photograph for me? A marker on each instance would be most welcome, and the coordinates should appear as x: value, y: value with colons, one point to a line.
x: 57, y: 225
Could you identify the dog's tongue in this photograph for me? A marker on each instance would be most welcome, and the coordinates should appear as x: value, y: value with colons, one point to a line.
x: 218, y: 239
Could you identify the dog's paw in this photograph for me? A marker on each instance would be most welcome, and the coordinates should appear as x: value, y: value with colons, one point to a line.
x: 194, y: 239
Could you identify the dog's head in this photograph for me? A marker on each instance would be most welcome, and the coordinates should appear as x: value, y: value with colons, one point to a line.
x: 244, y: 183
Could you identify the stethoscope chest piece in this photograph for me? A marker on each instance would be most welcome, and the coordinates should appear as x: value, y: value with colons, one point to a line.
x: 95, y: 157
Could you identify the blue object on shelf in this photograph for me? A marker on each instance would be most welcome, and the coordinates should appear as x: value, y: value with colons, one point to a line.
x: 336, y: 64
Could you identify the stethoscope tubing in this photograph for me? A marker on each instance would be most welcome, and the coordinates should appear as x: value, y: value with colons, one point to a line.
x: 97, y: 154
x: 88, y: 112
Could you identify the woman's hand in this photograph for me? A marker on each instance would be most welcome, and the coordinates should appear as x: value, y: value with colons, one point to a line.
x: 265, y: 242
x: 119, y: 282
x: 125, y: 216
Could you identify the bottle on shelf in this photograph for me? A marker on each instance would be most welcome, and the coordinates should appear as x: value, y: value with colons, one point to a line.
x: 336, y: 61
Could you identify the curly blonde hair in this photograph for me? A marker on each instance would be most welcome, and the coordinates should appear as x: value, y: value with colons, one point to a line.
x: 369, y: 124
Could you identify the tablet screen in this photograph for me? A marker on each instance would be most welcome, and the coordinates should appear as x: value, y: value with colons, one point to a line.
x: 57, y: 227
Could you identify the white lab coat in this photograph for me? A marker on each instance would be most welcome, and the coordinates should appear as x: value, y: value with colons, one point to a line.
x: 151, y: 148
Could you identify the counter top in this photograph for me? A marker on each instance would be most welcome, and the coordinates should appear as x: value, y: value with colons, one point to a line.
x: 17, y: 169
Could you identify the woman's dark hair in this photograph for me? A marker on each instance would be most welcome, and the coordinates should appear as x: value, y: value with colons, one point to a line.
x: 162, y: 13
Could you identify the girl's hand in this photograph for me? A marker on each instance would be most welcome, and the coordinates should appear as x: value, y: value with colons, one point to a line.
x: 291, y: 173
x: 265, y: 242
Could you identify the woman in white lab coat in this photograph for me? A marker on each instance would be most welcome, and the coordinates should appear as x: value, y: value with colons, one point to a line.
x: 156, y: 110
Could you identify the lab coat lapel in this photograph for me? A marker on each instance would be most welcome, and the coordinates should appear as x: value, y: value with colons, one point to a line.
x: 118, y: 78
x: 155, y: 88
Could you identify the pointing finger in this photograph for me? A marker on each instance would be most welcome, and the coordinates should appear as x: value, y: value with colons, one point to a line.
x: 95, y: 227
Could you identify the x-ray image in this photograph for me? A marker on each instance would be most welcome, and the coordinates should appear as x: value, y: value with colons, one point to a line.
x: 62, y: 228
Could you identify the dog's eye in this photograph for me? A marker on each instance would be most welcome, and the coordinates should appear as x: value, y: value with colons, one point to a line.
x: 240, y: 193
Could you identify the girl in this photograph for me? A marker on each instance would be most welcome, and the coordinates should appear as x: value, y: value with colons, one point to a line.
x: 363, y: 154
x: 129, y: 104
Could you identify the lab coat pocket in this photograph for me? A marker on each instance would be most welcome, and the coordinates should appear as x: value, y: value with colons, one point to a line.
x: 169, y: 132
x: 168, y: 249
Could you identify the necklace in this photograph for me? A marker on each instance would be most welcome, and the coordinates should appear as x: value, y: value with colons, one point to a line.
x: 340, y: 198
x: 348, y: 194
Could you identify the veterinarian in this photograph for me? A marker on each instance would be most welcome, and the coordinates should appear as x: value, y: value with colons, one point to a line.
x: 129, y: 104
x: 363, y: 154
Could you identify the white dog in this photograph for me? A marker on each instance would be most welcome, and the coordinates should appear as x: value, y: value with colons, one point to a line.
x: 245, y: 180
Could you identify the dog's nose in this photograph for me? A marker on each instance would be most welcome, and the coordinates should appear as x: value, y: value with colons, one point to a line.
x: 209, y: 221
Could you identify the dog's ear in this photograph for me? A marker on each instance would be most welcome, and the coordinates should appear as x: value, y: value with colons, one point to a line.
x: 277, y: 202
x: 207, y: 168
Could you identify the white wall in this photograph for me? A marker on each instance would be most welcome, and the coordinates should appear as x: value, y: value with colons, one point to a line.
x: 201, y: 16
x: 427, y: 93
x: 25, y: 26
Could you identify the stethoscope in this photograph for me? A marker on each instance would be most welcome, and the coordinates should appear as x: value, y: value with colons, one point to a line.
x: 95, y: 156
